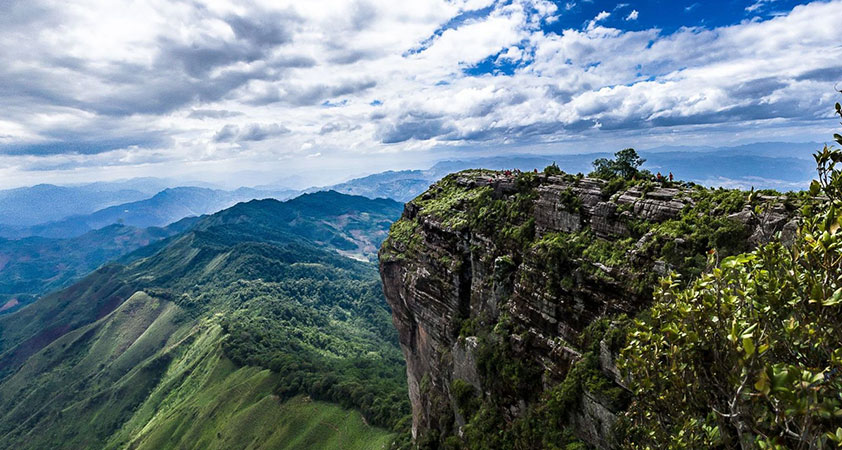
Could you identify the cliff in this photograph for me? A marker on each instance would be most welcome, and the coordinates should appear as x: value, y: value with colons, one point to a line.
x: 505, y: 290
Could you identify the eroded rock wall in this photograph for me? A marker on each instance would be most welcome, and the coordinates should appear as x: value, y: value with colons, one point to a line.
x: 445, y: 277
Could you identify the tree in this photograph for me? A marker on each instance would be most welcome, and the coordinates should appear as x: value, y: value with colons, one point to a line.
x: 626, y: 164
x: 750, y: 354
x: 553, y: 169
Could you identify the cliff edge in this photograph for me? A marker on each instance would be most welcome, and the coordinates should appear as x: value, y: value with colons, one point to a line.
x: 505, y: 289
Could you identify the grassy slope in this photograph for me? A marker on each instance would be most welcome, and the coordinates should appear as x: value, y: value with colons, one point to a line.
x: 142, y: 377
x: 105, y: 365
x: 206, y: 402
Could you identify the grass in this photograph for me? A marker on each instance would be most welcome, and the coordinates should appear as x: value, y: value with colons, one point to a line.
x: 139, y: 379
x: 451, y: 202
x: 206, y: 402
x: 143, y: 355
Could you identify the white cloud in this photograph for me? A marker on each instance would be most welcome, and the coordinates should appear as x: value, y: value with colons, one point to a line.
x: 137, y: 86
x: 602, y: 16
x: 758, y: 5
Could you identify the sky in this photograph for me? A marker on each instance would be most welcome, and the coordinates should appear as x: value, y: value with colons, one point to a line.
x: 248, y: 93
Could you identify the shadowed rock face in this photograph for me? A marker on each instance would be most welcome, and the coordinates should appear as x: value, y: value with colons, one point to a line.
x: 438, y: 272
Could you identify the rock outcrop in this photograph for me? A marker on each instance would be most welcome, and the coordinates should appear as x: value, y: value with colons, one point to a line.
x: 481, y: 248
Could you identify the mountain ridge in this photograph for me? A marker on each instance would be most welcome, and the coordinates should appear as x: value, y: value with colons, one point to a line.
x: 142, y: 354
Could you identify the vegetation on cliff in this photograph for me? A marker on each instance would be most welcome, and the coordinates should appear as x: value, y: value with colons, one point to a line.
x: 750, y: 354
x: 730, y: 337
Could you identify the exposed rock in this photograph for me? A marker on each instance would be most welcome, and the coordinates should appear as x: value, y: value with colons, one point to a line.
x: 772, y: 219
x: 593, y: 422
x: 465, y: 361
x: 460, y: 273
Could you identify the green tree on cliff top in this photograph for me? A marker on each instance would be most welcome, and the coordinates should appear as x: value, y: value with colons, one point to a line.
x: 626, y: 164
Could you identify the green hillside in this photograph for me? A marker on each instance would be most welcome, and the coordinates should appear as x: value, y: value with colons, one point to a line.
x: 34, y: 266
x: 234, y: 334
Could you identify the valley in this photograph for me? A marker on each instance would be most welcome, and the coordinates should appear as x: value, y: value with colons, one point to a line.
x: 254, y: 302
x: 420, y: 225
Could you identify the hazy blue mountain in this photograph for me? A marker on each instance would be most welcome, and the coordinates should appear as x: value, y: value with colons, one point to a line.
x: 735, y: 169
x: 147, y: 185
x: 772, y: 165
x: 163, y: 208
x: 27, y: 206
x: 46, y: 202
x: 401, y: 185
x: 800, y: 150
x: 34, y: 266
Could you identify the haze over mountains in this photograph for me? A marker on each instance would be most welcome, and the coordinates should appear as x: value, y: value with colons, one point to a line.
x: 773, y: 165
x: 34, y: 266
x: 174, y: 346
x: 46, y: 244
x: 66, y: 211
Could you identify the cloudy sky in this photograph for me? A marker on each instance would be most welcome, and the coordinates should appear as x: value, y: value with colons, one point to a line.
x: 254, y: 93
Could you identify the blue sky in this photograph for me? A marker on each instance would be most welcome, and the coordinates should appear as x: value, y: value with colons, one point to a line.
x: 251, y: 92
x: 670, y: 15
x: 667, y: 16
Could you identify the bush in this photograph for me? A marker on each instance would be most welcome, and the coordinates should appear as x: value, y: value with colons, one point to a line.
x: 553, y: 169
x: 750, y: 354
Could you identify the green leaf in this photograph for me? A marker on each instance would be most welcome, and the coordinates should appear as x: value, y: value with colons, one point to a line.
x: 748, y: 332
x: 815, y: 188
x: 748, y: 346
x: 780, y: 379
x: 834, y: 299
x: 763, y: 385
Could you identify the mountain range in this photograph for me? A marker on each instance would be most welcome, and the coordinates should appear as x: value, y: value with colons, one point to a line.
x: 771, y: 165
x: 34, y: 266
x: 70, y: 211
x: 248, y: 327
x: 161, y: 209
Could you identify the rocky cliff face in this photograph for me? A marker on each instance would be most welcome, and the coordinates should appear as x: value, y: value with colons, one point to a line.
x: 493, y: 279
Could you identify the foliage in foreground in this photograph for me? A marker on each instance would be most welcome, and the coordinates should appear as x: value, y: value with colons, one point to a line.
x: 749, y: 355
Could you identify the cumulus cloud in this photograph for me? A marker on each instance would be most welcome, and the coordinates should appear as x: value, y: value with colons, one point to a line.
x: 212, y: 114
x: 134, y: 84
x: 602, y: 16
x: 252, y: 132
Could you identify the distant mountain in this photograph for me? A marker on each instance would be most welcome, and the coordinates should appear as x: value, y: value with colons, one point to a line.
x: 45, y: 202
x: 250, y: 327
x: 770, y: 165
x: 34, y: 266
x: 799, y: 150
x: 401, y: 185
x: 148, y: 185
x: 328, y: 219
x: 404, y: 185
x: 735, y: 169
x: 27, y: 206
x: 163, y: 208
